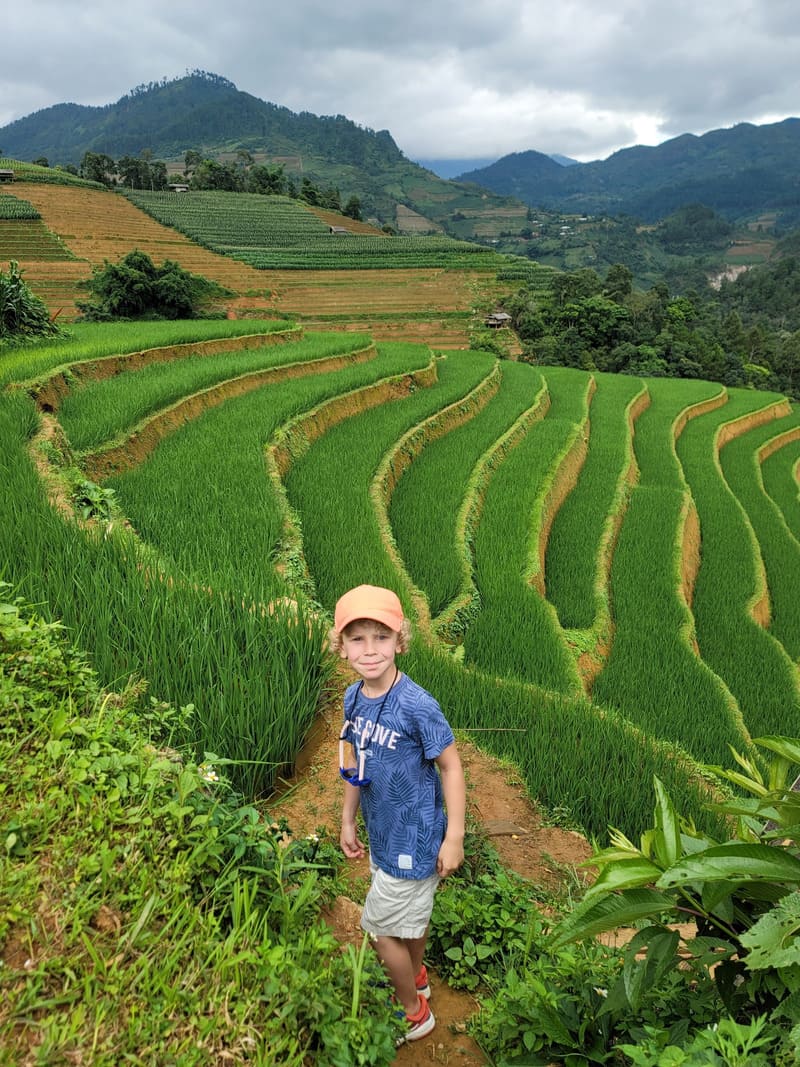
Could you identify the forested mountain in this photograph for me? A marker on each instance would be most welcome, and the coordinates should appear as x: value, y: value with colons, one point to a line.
x: 740, y: 172
x: 206, y: 114
x: 201, y: 111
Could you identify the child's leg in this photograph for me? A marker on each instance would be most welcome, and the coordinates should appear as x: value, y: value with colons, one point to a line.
x: 402, y: 959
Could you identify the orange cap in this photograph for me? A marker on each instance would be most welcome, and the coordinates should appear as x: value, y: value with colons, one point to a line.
x: 368, y: 602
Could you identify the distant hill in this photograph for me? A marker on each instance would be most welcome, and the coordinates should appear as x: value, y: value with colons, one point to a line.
x: 740, y: 172
x: 454, y: 168
x: 206, y: 113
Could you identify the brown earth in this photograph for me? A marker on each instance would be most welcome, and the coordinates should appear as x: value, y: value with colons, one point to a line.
x: 497, y: 802
x: 427, y: 305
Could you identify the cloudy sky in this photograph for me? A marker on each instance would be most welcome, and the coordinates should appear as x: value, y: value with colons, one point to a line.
x: 447, y: 78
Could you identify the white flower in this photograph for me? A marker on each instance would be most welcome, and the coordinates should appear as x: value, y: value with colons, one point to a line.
x: 207, y: 773
x: 600, y: 991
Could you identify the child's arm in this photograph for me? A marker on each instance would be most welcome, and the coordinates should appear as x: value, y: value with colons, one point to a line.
x: 348, y: 838
x: 451, y: 853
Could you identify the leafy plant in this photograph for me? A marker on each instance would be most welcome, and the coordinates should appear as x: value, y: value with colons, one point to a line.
x: 743, y: 894
x: 93, y: 501
x: 22, y: 314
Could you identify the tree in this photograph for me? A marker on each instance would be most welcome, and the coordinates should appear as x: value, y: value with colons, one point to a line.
x: 191, y: 160
x: 98, y: 167
x: 352, y: 209
x: 212, y: 175
x: 619, y: 283
x: 269, y: 181
x: 135, y: 288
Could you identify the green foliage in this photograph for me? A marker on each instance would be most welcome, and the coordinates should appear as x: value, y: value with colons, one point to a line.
x: 93, y: 501
x: 741, y: 893
x: 13, y: 207
x: 188, y: 924
x: 23, y: 316
x: 135, y: 288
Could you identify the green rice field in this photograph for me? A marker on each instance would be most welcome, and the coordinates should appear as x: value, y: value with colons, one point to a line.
x: 585, y: 557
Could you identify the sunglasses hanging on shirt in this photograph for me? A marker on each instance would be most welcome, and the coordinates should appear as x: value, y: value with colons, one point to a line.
x: 355, y: 775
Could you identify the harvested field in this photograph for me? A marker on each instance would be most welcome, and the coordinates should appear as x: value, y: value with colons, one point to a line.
x: 431, y: 305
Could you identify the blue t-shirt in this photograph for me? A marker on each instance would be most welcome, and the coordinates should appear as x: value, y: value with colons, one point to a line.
x: 403, y: 806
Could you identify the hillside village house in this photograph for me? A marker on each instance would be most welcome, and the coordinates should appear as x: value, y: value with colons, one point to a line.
x: 6, y: 175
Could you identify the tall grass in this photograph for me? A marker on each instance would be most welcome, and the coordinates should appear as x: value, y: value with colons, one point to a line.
x: 573, y: 561
x: 428, y: 497
x: 750, y: 661
x: 254, y: 678
x: 97, y: 339
x: 653, y: 674
x: 329, y: 485
x: 517, y: 634
x: 780, y: 549
x: 98, y: 411
x: 781, y: 474
x: 203, y: 499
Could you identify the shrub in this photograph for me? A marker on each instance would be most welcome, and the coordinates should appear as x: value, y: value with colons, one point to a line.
x: 135, y: 288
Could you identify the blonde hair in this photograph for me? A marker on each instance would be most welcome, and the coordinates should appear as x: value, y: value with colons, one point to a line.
x: 403, y: 635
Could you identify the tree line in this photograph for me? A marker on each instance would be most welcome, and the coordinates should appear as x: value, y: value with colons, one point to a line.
x: 606, y: 325
x: 241, y: 175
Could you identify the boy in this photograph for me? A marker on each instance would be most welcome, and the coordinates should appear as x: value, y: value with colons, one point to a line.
x: 398, y: 737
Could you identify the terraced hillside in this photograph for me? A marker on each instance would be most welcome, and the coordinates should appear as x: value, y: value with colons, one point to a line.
x: 431, y: 303
x: 261, y: 474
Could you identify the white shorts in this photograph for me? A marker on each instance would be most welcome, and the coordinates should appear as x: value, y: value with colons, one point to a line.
x: 398, y: 907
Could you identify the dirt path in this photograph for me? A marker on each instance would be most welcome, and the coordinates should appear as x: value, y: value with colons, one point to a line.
x: 496, y: 800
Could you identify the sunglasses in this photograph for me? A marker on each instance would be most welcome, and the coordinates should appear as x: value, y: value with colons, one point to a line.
x: 352, y: 775
x: 355, y: 775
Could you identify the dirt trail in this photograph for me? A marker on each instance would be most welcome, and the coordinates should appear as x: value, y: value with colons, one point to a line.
x: 495, y: 799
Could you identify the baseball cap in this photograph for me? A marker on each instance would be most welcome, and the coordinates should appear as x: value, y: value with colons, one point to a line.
x: 368, y: 602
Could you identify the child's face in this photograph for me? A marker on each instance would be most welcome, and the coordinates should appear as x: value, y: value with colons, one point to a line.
x: 370, y: 648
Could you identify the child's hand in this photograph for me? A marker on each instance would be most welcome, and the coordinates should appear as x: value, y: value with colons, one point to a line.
x: 451, y: 856
x: 350, y: 843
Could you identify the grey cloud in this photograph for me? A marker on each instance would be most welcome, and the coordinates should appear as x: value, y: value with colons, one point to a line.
x: 452, y: 78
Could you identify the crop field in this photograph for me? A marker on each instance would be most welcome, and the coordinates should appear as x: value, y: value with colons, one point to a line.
x: 279, y: 233
x: 429, y: 292
x: 602, y: 571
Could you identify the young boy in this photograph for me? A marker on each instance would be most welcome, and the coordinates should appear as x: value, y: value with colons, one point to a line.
x: 397, y: 737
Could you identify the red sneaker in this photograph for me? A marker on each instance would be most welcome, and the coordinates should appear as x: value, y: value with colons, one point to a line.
x: 421, y: 981
x: 419, y: 1025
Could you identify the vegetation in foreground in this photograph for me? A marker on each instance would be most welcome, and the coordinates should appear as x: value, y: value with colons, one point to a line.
x: 148, y: 915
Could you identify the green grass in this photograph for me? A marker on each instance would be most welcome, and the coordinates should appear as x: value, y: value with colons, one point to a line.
x: 203, y: 499
x: 575, y: 584
x: 780, y: 549
x: 254, y: 679
x: 279, y: 233
x: 751, y: 662
x: 653, y: 675
x: 99, y: 411
x: 516, y: 633
x: 428, y: 497
x: 781, y: 476
x: 84, y: 341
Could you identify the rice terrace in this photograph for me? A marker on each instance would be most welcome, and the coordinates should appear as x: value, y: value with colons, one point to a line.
x: 603, y: 570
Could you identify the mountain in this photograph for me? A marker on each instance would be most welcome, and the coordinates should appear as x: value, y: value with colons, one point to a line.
x: 206, y: 113
x: 739, y: 172
x: 453, y: 168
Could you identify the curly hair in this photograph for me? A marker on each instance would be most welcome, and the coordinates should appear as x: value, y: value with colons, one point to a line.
x: 403, y: 640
